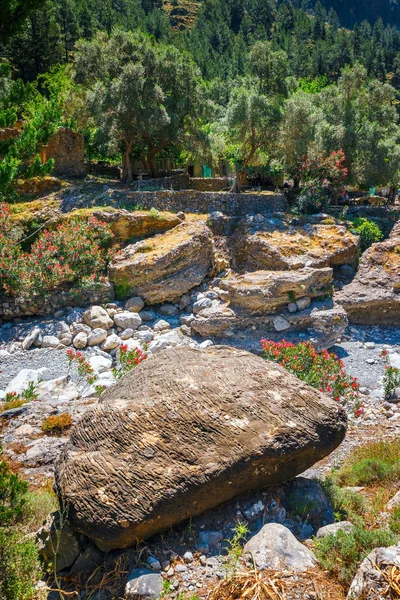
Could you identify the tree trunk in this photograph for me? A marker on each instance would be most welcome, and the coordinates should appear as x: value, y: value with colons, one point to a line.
x: 240, y: 181
x: 152, y: 165
x: 126, y: 163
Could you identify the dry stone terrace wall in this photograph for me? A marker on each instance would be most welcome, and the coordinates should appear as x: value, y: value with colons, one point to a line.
x: 207, y: 202
x: 210, y: 184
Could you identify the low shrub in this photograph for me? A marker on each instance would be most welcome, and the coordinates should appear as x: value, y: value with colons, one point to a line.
x: 368, y: 231
x: 12, y: 496
x: 372, y: 464
x: 20, y: 567
x: 394, y: 521
x: 341, y: 554
x: 321, y: 370
x: 57, y: 424
x: 346, y: 504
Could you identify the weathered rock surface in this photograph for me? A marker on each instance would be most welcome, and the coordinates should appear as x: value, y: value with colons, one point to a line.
x: 185, y: 432
x: 264, y: 292
x: 275, y: 547
x: 277, y: 245
x: 126, y: 224
x: 333, y: 529
x: 373, y: 297
x: 164, y: 267
x: 252, y: 301
x: 143, y: 583
x: 369, y: 582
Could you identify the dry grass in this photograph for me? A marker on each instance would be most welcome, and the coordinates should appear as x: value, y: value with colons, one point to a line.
x: 391, y: 575
x: 57, y: 424
x: 277, y: 585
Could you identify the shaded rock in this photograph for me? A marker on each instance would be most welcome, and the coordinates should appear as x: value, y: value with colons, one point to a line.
x: 333, y: 528
x: 281, y: 246
x: 306, y: 497
x: 143, y: 583
x: 58, y: 543
x: 373, y: 297
x: 165, y: 267
x: 369, y: 582
x: 168, y: 310
x: 134, y: 304
x: 275, y: 547
x: 221, y: 420
x: 97, y: 317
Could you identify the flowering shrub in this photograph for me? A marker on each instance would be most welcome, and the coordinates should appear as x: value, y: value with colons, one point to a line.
x: 128, y: 360
x: 319, y: 167
x: 321, y: 370
x: 391, y: 378
x: 76, y: 253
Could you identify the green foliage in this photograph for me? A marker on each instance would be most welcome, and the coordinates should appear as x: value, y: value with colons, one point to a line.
x: 346, y: 504
x: 371, y: 464
x: 391, y: 380
x: 341, y: 554
x: 20, y: 567
x: 235, y: 547
x: 313, y: 199
x: 368, y: 231
x: 394, y: 521
x: 12, y: 496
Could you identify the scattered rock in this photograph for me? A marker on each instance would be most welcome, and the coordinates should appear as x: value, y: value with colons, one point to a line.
x: 50, y: 341
x: 52, y: 536
x: 275, y: 547
x: 333, y: 528
x: 30, y: 338
x: 111, y: 342
x: 143, y: 583
x: 97, y: 317
x: 128, y: 320
x: 80, y: 340
x: 134, y: 304
x: 96, y: 337
x: 281, y: 324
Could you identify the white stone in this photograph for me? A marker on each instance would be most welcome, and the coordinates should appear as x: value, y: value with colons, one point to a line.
x: 281, y: 324
x: 111, y: 342
x: 126, y: 334
x: 24, y: 377
x: 128, y: 320
x: 205, y: 344
x: 100, y: 363
x: 161, y: 325
x: 80, y: 340
x: 303, y: 303
x: 50, y: 341
x: 4, y: 353
x: 369, y: 345
x: 145, y: 336
x: 96, y: 337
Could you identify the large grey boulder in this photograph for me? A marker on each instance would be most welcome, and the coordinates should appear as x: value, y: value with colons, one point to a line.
x: 97, y: 317
x: 275, y: 547
x: 186, y: 431
x: 369, y: 582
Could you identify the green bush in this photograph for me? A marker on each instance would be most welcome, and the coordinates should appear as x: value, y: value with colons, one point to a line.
x: 374, y: 463
x: 346, y: 504
x: 20, y: 567
x: 341, y: 554
x: 12, y: 496
x: 368, y: 231
x: 394, y: 521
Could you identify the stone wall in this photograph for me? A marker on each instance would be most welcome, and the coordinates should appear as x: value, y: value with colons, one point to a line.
x: 66, y: 147
x: 177, y: 181
x: 12, y: 308
x: 206, y: 202
x: 209, y: 184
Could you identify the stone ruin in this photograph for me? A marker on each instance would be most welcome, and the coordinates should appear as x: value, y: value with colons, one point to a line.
x: 66, y: 147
